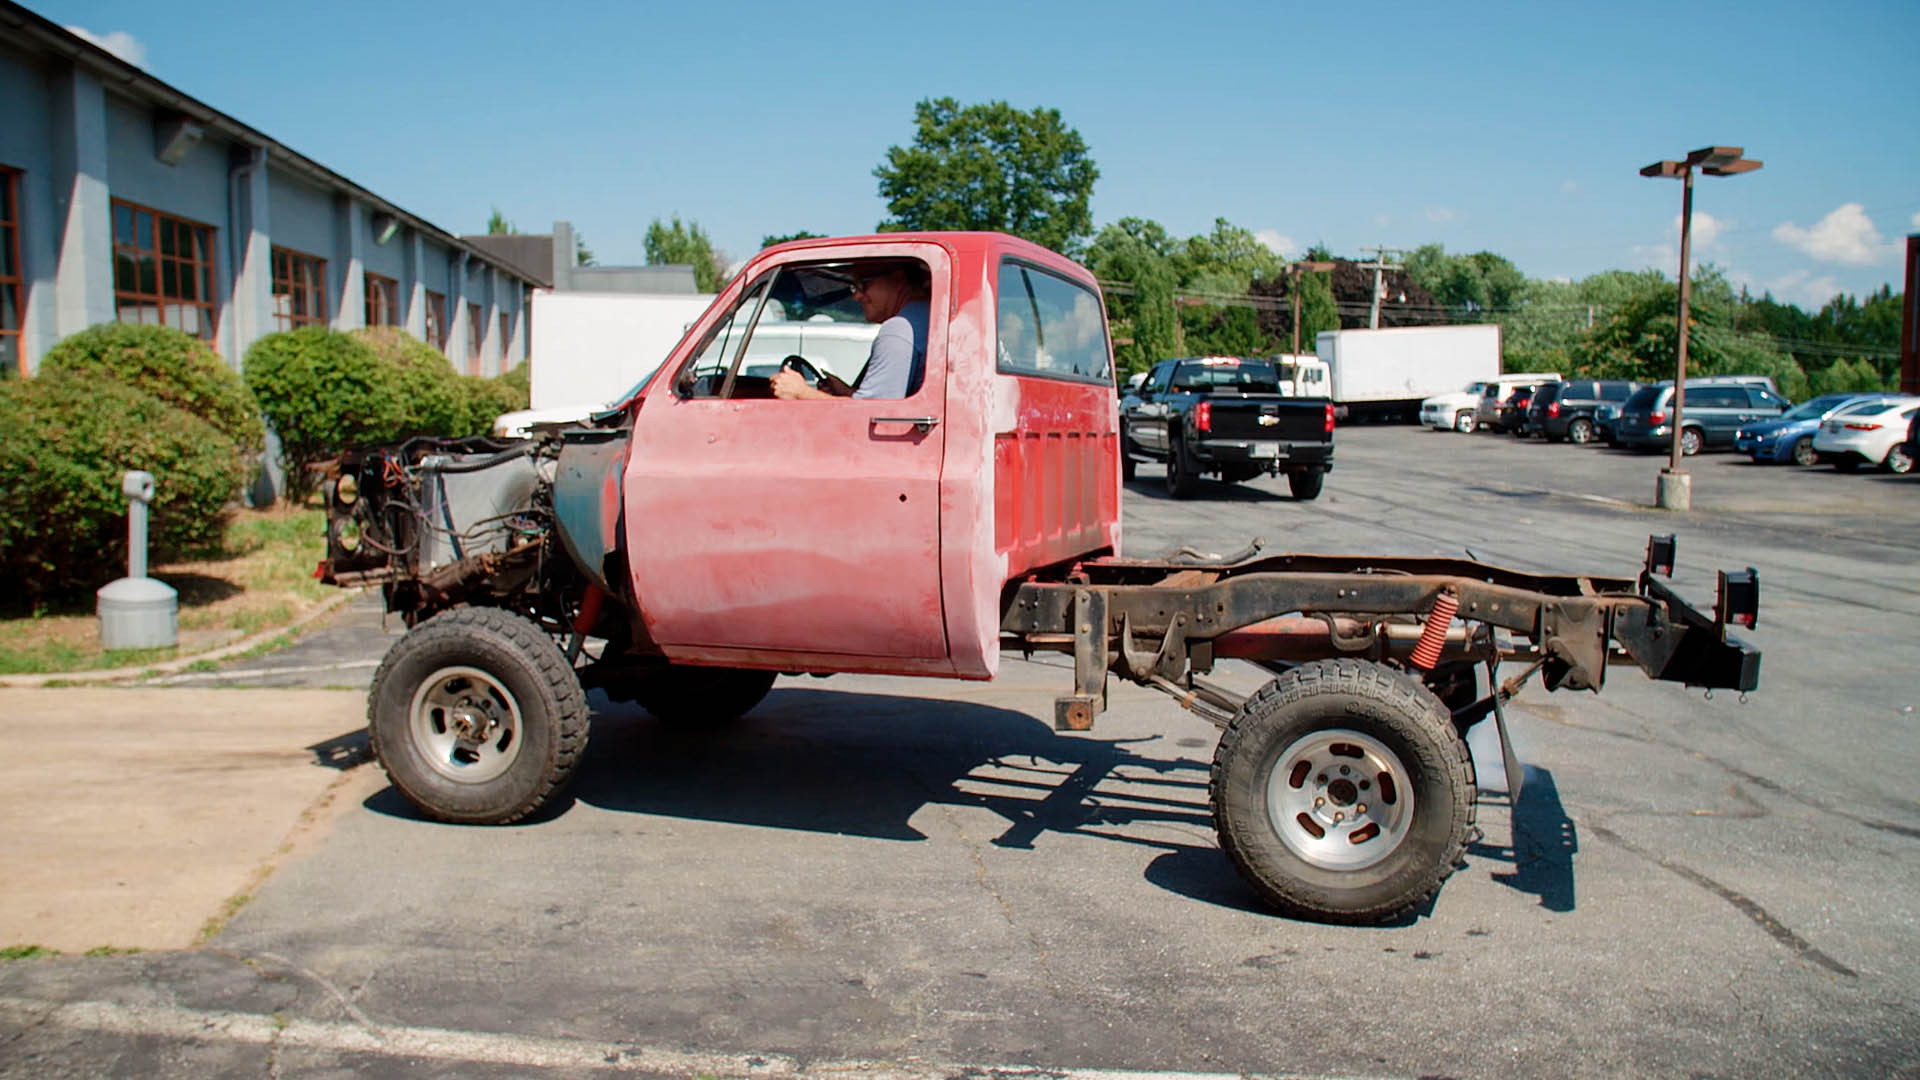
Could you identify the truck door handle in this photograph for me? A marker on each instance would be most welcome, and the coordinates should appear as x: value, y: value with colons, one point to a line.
x: 923, y: 423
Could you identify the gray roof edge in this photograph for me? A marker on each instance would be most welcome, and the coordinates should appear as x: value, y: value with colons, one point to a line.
x: 127, y: 77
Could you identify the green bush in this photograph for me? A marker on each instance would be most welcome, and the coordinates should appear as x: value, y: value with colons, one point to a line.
x: 323, y: 391
x: 486, y: 399
x: 69, y: 440
x: 173, y: 366
x: 519, y: 380
x: 429, y: 388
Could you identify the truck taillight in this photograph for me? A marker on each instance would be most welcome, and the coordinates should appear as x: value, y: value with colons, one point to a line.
x: 1203, y: 416
x: 1327, y: 426
x: 1553, y: 408
x: 1656, y: 419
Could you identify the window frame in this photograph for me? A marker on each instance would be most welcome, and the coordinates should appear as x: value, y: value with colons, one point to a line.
x: 380, y: 299
x: 476, y: 336
x: 204, y: 237
x: 16, y: 281
x: 315, y: 288
x: 436, y: 320
x: 506, y: 337
x: 1004, y: 367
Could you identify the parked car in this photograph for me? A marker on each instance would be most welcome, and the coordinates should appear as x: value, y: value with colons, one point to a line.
x: 1790, y: 437
x: 1713, y: 412
x: 1458, y: 410
x: 1513, y: 411
x: 1487, y: 413
x: 1565, y: 411
x: 1869, y: 433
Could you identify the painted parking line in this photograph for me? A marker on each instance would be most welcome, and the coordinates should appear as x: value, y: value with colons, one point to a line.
x: 521, y: 1051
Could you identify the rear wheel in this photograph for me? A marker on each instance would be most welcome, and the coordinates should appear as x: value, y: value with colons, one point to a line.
x: 1580, y: 431
x: 1181, y: 478
x: 477, y: 717
x: 1306, y: 485
x: 1898, y: 460
x: 1803, y: 452
x: 1342, y: 792
x: 1690, y: 441
x: 1463, y: 423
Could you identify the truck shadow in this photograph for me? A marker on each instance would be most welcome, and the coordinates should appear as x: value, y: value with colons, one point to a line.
x: 1545, y: 841
x: 1153, y: 487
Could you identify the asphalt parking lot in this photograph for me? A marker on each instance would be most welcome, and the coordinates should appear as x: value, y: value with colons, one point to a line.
x: 903, y: 877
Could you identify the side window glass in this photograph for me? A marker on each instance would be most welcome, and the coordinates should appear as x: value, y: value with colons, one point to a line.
x: 705, y: 375
x: 1050, y: 326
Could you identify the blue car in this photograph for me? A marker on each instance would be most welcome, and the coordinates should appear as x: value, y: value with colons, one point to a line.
x: 1789, y: 436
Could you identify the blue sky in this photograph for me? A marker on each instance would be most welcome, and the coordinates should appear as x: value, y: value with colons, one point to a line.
x: 1516, y: 128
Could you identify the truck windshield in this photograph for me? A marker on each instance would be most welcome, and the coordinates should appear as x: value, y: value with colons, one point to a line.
x: 1239, y: 376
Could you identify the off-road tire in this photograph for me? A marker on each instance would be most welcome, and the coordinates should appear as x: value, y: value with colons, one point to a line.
x: 1803, y: 453
x: 702, y: 695
x: 518, y: 668
x: 1306, y: 485
x: 1182, y: 479
x: 1580, y: 431
x: 1327, y: 700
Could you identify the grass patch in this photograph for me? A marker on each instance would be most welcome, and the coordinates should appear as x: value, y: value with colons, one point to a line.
x: 110, y: 950
x: 26, y: 952
x: 260, y: 576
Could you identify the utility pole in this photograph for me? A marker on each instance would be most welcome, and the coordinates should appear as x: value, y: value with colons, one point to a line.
x: 1294, y: 270
x: 1379, y: 266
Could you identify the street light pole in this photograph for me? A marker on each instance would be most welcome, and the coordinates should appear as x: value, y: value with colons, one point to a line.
x: 1676, y: 487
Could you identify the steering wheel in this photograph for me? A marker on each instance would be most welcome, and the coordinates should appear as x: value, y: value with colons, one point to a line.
x: 807, y: 371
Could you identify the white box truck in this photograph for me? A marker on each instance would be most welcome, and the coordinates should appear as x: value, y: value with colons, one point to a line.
x: 1385, y: 374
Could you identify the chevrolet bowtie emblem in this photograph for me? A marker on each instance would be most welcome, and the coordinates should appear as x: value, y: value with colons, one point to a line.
x: 1267, y: 420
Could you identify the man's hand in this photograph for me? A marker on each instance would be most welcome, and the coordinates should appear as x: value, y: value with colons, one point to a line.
x: 790, y: 385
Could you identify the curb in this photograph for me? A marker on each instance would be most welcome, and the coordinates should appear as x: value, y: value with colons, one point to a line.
x: 178, y: 663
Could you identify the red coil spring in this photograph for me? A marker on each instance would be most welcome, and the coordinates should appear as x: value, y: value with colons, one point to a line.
x: 1427, y: 652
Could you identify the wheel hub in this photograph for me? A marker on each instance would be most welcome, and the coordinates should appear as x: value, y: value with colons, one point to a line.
x: 465, y: 724
x: 1341, y: 800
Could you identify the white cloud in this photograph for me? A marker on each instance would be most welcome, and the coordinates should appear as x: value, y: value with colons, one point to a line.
x: 1801, y: 287
x: 118, y: 42
x: 1439, y: 213
x: 1706, y: 228
x: 1662, y: 257
x: 1916, y: 219
x: 1278, y: 242
x: 1845, y: 236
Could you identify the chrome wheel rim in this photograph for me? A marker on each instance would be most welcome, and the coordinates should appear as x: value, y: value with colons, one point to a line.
x: 1803, y: 453
x: 1340, y: 800
x: 1898, y: 461
x: 1580, y: 431
x: 465, y: 724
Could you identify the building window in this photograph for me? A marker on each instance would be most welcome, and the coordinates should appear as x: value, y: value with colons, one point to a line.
x: 506, y: 338
x: 162, y: 270
x: 299, y: 289
x: 476, y: 329
x: 437, y: 321
x: 12, y: 359
x: 383, y: 301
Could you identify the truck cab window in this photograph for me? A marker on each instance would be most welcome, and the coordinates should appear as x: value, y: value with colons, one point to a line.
x: 806, y: 311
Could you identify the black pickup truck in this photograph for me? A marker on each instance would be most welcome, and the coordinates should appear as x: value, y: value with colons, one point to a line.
x: 1225, y: 415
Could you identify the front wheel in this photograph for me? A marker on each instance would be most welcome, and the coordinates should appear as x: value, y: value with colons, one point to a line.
x: 1690, y: 441
x: 1306, y: 485
x: 1127, y: 464
x: 1580, y: 431
x: 1463, y: 423
x: 1342, y: 792
x: 476, y: 717
x: 1804, y: 454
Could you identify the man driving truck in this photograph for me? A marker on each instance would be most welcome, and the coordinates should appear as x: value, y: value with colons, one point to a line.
x: 895, y: 295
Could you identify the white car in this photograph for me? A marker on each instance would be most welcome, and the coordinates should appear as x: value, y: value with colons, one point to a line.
x: 1870, y: 433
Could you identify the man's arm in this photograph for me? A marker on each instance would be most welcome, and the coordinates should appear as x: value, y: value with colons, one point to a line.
x: 790, y: 385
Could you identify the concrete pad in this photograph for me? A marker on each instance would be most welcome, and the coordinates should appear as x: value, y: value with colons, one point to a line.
x: 133, y: 817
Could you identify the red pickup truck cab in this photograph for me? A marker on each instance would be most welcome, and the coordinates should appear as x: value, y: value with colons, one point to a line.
x: 685, y: 547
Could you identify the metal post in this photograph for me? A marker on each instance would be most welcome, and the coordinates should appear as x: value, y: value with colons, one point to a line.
x: 1910, y: 321
x: 1680, y: 354
x: 1294, y: 271
x: 137, y: 533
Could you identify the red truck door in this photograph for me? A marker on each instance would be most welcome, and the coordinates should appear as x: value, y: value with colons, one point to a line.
x: 808, y: 529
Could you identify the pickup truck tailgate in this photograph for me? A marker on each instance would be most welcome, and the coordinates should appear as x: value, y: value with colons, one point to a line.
x: 1293, y: 420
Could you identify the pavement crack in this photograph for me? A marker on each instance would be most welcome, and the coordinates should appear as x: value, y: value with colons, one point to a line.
x: 1746, y: 905
x: 375, y: 1031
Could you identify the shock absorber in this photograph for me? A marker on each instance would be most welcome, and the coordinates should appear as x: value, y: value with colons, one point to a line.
x: 1426, y: 653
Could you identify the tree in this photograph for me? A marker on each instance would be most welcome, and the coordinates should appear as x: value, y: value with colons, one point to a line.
x: 498, y: 225
x: 770, y: 239
x: 1470, y: 284
x: 990, y: 167
x: 1139, y: 255
x: 686, y: 245
x: 582, y: 254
